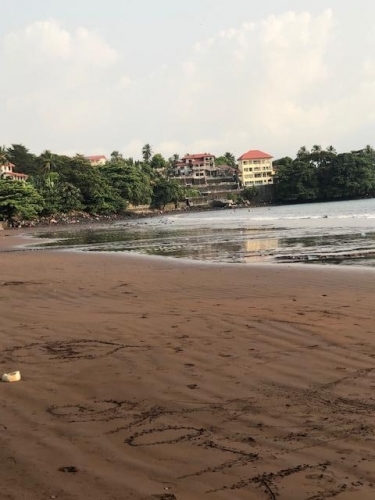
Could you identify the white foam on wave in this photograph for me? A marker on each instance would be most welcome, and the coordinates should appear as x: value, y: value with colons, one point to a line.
x: 357, y: 216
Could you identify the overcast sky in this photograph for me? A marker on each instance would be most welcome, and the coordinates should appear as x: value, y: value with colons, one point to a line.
x: 187, y: 76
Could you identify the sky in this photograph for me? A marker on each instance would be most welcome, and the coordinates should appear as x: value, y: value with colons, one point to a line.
x: 187, y: 76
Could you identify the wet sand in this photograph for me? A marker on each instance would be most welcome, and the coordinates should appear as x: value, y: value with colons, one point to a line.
x: 152, y: 379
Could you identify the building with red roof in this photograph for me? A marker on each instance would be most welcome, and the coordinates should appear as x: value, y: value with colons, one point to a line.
x: 197, y: 166
x: 97, y: 160
x: 255, y: 168
x: 6, y: 172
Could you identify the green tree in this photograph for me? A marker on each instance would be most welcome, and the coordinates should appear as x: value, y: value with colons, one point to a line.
x: 24, y: 161
x: 171, y: 164
x: 166, y: 191
x: 369, y: 150
x: 98, y: 196
x: 147, y: 153
x: 173, y: 160
x: 116, y: 156
x: 296, y: 182
x: 131, y: 183
x: 231, y: 159
x: 58, y: 196
x: 3, y: 156
x: 302, y: 152
x: 316, y: 148
x: 158, y: 162
x: 331, y: 149
x: 347, y: 176
x: 226, y: 159
x: 18, y: 200
x: 46, y: 162
x: 249, y: 193
x: 285, y: 160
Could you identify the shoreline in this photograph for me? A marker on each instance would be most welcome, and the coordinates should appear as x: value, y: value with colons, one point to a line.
x: 154, y: 378
x: 22, y: 243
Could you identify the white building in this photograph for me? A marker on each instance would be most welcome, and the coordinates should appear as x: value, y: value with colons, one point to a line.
x: 6, y: 172
x: 197, y: 166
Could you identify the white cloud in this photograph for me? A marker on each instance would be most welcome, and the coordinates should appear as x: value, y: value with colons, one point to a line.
x: 48, y: 40
x: 272, y: 84
x: 258, y: 79
x: 89, y: 49
x: 125, y: 81
x: 56, y: 81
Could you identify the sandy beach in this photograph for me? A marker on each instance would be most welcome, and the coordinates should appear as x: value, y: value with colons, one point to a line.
x: 153, y: 379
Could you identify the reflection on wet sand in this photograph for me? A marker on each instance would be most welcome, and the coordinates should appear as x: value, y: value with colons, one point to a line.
x: 259, y: 248
x: 304, y: 244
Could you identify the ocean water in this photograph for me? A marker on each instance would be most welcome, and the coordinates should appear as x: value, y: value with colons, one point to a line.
x: 341, y: 233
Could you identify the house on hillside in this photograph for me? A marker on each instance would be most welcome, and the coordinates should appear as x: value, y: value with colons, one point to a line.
x: 255, y: 168
x: 96, y: 161
x: 198, y: 166
x: 6, y: 172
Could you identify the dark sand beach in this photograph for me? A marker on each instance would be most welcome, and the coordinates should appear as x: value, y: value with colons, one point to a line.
x: 152, y: 379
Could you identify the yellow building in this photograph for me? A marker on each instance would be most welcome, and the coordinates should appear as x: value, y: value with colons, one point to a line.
x: 255, y: 168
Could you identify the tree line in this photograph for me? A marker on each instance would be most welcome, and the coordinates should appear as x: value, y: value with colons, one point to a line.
x: 324, y: 175
x: 62, y: 184
x: 59, y: 184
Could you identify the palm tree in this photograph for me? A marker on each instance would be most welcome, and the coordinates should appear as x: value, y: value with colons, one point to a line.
x: 303, y: 151
x: 369, y: 150
x: 3, y: 160
x: 230, y: 159
x: 174, y: 159
x: 46, y: 162
x: 331, y: 149
x: 316, y: 148
x: 3, y: 156
x: 147, y: 153
x: 116, y: 156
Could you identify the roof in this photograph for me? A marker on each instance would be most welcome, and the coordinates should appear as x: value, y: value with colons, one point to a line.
x: 254, y: 154
x: 199, y: 155
x: 95, y: 158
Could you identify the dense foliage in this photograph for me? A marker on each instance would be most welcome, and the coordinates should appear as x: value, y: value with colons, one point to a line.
x: 18, y: 199
x: 60, y: 184
x: 324, y: 175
